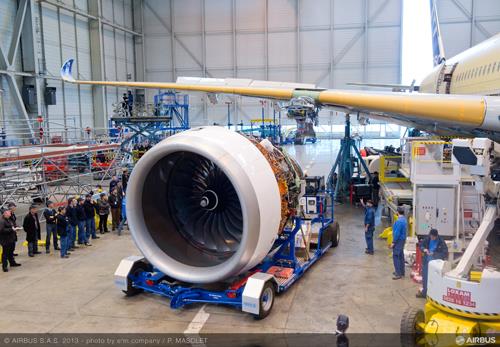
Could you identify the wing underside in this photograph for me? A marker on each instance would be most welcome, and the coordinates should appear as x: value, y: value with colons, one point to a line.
x: 431, y: 112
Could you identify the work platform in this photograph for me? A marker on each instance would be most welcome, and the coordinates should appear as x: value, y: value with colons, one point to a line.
x: 54, y: 172
x: 23, y: 153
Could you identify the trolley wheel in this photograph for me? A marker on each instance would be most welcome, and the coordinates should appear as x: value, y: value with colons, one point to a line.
x: 138, y: 267
x: 266, y: 300
x: 408, y: 328
x: 299, y: 141
x: 335, y: 233
x: 326, y: 236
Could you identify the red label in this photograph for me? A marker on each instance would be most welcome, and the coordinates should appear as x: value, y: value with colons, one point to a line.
x: 459, y: 297
x: 467, y: 213
x: 419, y: 151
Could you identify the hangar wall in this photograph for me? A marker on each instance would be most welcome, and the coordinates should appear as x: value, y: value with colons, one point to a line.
x: 324, y: 42
x: 62, y: 30
x: 9, y: 111
x: 465, y: 23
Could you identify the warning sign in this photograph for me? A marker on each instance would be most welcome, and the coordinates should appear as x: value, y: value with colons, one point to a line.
x: 420, y: 151
x: 459, y: 297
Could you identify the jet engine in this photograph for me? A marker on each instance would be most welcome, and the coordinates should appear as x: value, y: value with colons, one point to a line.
x: 208, y: 203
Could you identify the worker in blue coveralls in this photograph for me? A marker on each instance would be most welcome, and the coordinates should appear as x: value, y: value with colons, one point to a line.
x: 433, y: 247
x: 398, y: 244
x: 369, y: 225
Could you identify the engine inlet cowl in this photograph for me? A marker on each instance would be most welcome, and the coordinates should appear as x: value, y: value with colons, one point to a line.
x: 208, y: 203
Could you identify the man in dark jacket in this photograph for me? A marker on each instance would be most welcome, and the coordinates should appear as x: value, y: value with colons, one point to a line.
x: 125, y: 177
x: 113, y: 183
x: 115, y: 202
x: 50, y: 223
x: 375, y: 189
x: 73, y: 223
x: 433, y: 247
x: 31, y: 226
x: 90, y: 207
x: 130, y: 102
x: 82, y: 218
x: 119, y: 189
x: 7, y: 240
x: 12, y: 207
x: 103, y: 211
x: 369, y: 225
x: 63, y: 231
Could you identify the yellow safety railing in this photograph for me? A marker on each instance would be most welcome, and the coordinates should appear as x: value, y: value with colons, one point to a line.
x: 387, y: 165
x: 418, y: 146
x: 260, y: 120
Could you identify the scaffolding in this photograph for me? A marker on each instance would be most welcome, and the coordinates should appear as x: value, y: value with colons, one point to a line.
x: 168, y: 115
x: 56, y: 172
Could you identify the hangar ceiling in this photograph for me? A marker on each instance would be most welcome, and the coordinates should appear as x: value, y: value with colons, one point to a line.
x: 325, y: 42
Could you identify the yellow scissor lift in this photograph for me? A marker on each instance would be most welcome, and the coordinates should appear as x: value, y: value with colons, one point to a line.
x: 463, y: 304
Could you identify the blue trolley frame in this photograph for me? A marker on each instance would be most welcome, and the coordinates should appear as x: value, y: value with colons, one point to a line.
x: 282, y: 254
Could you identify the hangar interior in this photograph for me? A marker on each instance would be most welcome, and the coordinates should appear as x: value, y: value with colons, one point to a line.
x: 62, y: 139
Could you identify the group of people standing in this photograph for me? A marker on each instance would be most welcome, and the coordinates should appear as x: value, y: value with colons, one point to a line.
x: 432, y: 246
x: 67, y: 227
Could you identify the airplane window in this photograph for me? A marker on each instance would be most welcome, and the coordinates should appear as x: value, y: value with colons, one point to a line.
x: 489, y: 68
x: 494, y: 66
x: 498, y: 66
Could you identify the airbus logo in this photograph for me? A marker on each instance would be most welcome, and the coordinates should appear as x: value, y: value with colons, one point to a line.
x: 478, y: 340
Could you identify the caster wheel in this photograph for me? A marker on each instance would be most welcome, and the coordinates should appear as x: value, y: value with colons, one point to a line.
x: 138, y: 267
x: 266, y: 300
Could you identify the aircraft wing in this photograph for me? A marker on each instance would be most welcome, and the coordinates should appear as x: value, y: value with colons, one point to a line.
x: 395, y: 87
x: 437, y: 113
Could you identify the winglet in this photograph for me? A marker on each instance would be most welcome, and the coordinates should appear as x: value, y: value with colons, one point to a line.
x: 67, y: 70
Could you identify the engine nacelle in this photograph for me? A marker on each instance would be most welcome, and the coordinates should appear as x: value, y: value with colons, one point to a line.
x: 208, y: 203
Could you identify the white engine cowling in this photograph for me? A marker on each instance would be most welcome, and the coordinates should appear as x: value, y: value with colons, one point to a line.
x: 204, y: 205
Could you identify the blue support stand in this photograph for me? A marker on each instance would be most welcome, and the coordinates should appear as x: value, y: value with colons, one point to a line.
x: 348, y: 158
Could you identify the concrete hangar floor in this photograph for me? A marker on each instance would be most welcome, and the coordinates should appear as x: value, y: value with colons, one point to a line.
x: 77, y: 295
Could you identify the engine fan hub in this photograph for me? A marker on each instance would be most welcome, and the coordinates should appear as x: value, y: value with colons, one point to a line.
x: 209, y: 200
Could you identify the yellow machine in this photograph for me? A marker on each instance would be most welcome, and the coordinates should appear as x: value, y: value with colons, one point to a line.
x: 463, y: 306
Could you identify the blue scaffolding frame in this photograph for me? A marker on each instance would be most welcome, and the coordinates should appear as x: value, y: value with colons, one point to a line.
x: 171, y: 116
